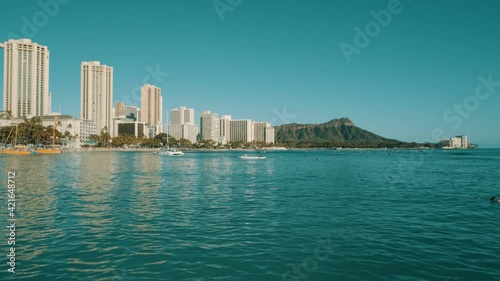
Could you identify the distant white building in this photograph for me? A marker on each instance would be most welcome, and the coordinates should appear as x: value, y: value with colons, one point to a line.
x: 455, y: 142
x: 465, y: 141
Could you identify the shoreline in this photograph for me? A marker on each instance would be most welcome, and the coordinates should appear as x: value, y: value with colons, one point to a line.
x: 205, y: 150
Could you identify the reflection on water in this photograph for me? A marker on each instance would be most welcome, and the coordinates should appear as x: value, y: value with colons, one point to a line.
x: 122, y: 215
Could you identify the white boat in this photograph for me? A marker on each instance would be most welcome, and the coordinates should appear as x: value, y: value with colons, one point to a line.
x: 252, y: 157
x: 274, y: 148
x: 170, y: 152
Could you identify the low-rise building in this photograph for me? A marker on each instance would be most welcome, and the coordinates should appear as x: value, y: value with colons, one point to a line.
x: 63, y: 124
x: 87, y: 128
x: 137, y: 129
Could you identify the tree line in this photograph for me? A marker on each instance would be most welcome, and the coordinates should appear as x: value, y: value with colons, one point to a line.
x: 32, y: 131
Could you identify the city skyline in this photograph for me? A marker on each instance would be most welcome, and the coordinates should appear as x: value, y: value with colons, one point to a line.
x: 411, y: 80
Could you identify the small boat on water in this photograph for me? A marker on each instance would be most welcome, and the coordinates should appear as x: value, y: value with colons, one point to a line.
x: 16, y: 149
x: 51, y: 150
x: 246, y: 157
x: 48, y: 151
x: 170, y: 152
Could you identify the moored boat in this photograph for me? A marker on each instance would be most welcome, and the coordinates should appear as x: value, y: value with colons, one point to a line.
x: 16, y: 149
x: 246, y: 157
x: 170, y: 152
x: 50, y: 150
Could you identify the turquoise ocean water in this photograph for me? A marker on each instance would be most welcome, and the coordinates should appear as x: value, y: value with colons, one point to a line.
x: 297, y: 215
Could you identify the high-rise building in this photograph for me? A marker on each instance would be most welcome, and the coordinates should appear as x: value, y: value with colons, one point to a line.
x: 182, y: 124
x: 225, y: 129
x: 26, y: 78
x: 241, y: 130
x: 119, y: 109
x: 151, y: 107
x: 464, y: 141
x: 181, y: 116
x: 96, y: 102
x: 209, y: 126
x: 259, y: 131
x: 455, y: 142
x: 269, y: 137
x: 263, y: 132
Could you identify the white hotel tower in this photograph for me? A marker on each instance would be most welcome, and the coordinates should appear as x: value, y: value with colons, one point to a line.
x: 182, y: 124
x: 151, y: 107
x: 96, y: 100
x: 26, y: 78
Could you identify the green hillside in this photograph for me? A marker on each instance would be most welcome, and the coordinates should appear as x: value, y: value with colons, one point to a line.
x: 338, y: 131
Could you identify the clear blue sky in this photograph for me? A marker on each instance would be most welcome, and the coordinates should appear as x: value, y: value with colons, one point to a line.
x: 268, y: 55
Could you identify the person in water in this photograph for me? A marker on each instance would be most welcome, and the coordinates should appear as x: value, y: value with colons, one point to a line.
x: 494, y: 200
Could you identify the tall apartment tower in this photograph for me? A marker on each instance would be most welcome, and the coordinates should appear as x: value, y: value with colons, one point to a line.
x: 182, y: 124
x: 209, y: 125
x: 151, y: 107
x: 464, y: 141
x: 26, y: 78
x: 96, y: 99
x: 181, y: 116
x: 225, y: 129
x: 241, y: 130
x: 259, y: 131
